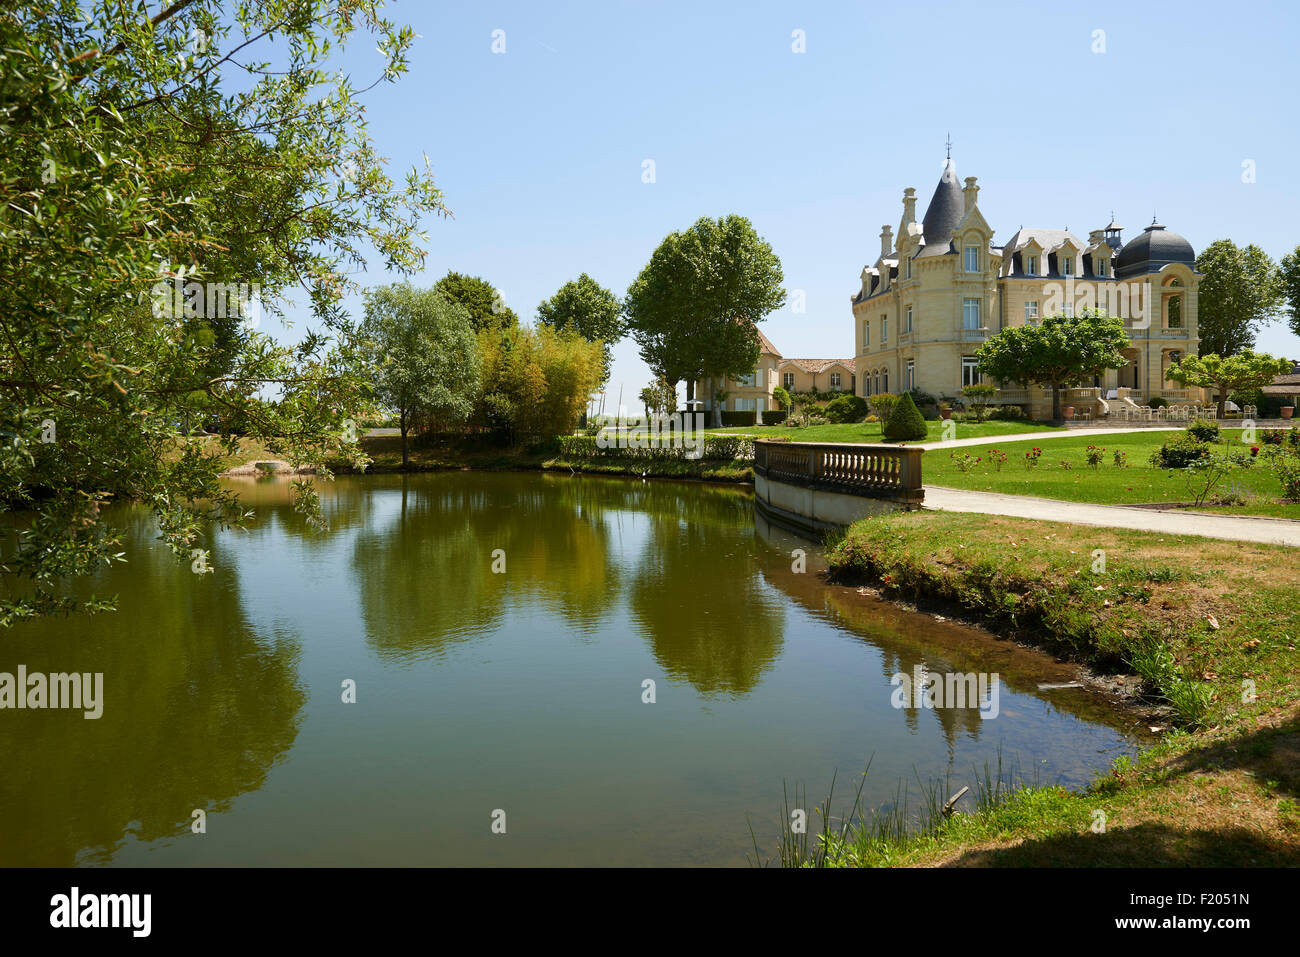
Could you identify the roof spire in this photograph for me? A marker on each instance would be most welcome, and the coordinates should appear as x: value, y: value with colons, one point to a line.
x: 949, y: 144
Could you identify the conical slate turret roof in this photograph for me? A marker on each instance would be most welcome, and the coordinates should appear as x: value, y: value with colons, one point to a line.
x: 945, y: 212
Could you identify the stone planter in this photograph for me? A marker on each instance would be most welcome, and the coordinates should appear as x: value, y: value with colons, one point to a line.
x: 1288, y: 411
x: 1068, y: 412
x: 945, y: 413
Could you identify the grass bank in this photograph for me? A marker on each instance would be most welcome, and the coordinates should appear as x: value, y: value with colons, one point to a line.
x: 1204, y: 630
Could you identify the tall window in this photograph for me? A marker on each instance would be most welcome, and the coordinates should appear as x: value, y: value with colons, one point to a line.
x: 1099, y: 267
x: 1067, y: 265
x: 909, y: 380
x: 1031, y: 309
x: 835, y: 380
x: 876, y: 382
x: 907, y: 268
x: 907, y: 323
x: 970, y: 371
x: 1175, y: 312
x: 746, y: 381
x: 970, y: 314
x: 787, y: 380
x: 1031, y: 265
x: 884, y: 329
x: 884, y: 381
x: 866, y: 333
x: 972, y: 259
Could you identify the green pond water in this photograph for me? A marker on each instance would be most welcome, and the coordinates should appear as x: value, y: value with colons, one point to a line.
x: 477, y: 691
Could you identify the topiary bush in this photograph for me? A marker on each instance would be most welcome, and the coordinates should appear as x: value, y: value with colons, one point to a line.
x: 1180, y: 452
x: 905, y: 423
x: 1204, y: 430
x: 846, y: 408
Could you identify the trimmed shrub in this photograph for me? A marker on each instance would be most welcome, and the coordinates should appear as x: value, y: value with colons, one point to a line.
x: 738, y: 418
x: 1157, y: 403
x: 774, y: 416
x: 1179, y: 453
x: 1203, y: 430
x: 583, y: 448
x: 905, y: 423
x: 847, y: 408
x: 1008, y: 413
x: 782, y: 398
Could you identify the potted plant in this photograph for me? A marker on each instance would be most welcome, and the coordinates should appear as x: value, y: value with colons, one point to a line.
x: 1287, y: 411
x: 1068, y: 412
x: 945, y: 411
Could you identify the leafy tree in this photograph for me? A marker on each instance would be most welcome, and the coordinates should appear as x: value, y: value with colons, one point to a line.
x: 536, y: 381
x: 781, y: 396
x: 212, y: 147
x: 905, y: 422
x: 1058, y: 352
x: 1241, y: 370
x: 589, y: 309
x: 1289, y: 277
x: 649, y: 401
x: 694, y: 307
x: 1239, y: 291
x: 979, y: 394
x: 485, y: 304
x: 426, y: 353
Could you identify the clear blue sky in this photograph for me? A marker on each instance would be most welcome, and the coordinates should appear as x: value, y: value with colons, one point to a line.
x: 539, y: 150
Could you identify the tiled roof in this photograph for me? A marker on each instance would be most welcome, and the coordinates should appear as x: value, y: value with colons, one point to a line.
x: 816, y: 366
x: 766, y: 344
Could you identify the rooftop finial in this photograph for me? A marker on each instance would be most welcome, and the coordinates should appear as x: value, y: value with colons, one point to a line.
x: 949, y: 144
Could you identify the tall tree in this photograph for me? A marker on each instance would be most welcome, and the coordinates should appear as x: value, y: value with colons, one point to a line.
x: 213, y: 147
x: 589, y: 309
x: 1056, y: 353
x: 693, y: 309
x: 1226, y: 374
x: 1239, y: 291
x: 426, y: 355
x: 485, y: 303
x: 1289, y: 276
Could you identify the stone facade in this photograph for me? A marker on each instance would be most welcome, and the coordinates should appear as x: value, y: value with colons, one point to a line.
x: 941, y: 286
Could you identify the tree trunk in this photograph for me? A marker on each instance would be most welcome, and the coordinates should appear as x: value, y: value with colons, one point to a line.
x: 1056, y: 402
x: 1223, y: 398
x: 405, y: 455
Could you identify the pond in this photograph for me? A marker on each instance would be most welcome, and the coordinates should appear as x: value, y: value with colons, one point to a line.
x: 499, y: 631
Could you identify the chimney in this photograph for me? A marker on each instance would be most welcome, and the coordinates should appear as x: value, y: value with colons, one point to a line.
x: 970, y: 193
x: 909, y: 206
x: 886, y: 241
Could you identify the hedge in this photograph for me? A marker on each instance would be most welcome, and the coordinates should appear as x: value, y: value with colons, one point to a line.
x: 583, y: 448
x: 774, y: 416
x: 847, y: 408
x: 738, y: 418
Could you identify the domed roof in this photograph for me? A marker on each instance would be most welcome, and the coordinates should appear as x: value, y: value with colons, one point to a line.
x: 944, y: 214
x: 1156, y: 247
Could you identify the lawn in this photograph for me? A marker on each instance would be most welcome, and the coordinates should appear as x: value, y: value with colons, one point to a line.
x: 870, y: 431
x: 1139, y: 482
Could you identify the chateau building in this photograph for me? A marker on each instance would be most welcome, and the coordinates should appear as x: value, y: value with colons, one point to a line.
x: 941, y: 286
x: 753, y: 393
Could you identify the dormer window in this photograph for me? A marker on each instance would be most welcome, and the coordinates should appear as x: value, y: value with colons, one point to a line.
x: 972, y: 259
x: 1100, y: 267
x: 1031, y: 265
x: 1067, y: 265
